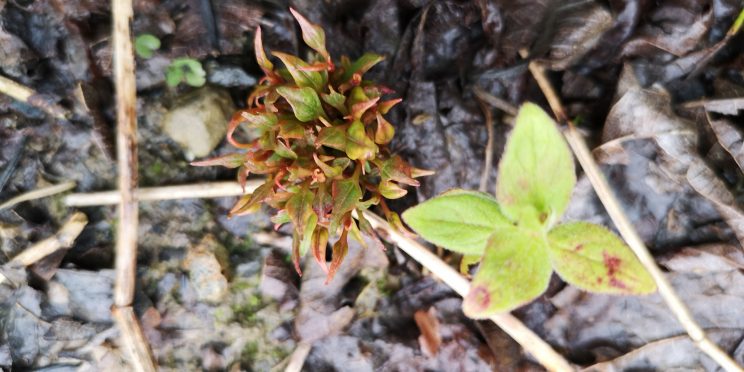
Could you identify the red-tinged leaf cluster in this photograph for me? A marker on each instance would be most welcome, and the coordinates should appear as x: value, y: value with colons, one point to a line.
x: 321, y: 142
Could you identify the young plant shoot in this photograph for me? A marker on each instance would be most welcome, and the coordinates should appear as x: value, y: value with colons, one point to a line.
x: 516, y: 236
x: 320, y: 138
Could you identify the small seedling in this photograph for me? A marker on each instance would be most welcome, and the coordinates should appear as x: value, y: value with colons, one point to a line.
x: 516, y: 236
x: 321, y: 141
x: 185, y: 69
x: 145, y: 45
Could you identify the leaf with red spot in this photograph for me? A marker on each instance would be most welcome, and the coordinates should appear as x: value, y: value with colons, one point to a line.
x: 514, y: 271
x: 233, y: 160
x: 313, y: 35
x: 594, y: 259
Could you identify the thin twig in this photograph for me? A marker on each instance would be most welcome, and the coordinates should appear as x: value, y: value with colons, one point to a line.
x: 126, y: 151
x: 29, y: 96
x: 531, y: 342
x: 628, y: 232
x: 488, y: 162
x: 203, y: 190
x: 496, y: 102
x: 62, y: 239
x: 38, y: 194
x: 297, y: 359
x: 133, y: 341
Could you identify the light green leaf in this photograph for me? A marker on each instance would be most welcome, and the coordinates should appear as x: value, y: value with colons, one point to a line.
x: 358, y: 145
x: 301, y: 76
x: 304, y: 102
x: 536, y: 173
x: 300, y: 207
x: 333, y: 137
x: 459, y: 220
x: 594, y: 259
x: 515, y: 270
x: 362, y: 65
x: 145, y: 45
x: 336, y: 100
x: 307, y: 235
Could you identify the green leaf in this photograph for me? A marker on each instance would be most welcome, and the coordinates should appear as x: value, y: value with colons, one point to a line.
x: 282, y: 150
x: 187, y: 69
x: 536, y: 173
x: 390, y: 190
x: 362, y: 65
x: 300, y: 207
x: 304, y: 101
x: 459, y: 220
x: 260, y: 120
x: 346, y: 195
x: 333, y: 137
x: 307, y: 234
x: 301, y: 76
x: 328, y: 170
x: 594, y: 259
x: 515, y: 270
x: 336, y: 100
x: 173, y: 76
x: 358, y: 145
x: 312, y: 34
x: 145, y: 45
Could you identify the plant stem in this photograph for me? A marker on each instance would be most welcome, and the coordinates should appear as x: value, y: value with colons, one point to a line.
x: 133, y: 340
x: 202, y: 190
x: 62, y: 239
x: 30, y: 97
x: 626, y: 229
x: 38, y: 194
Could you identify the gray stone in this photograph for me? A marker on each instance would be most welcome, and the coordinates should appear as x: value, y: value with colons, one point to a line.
x: 228, y: 76
x: 90, y: 293
x: 198, y: 121
x: 205, y: 271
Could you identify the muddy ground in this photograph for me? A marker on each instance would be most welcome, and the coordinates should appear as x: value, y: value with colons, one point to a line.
x: 656, y: 85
